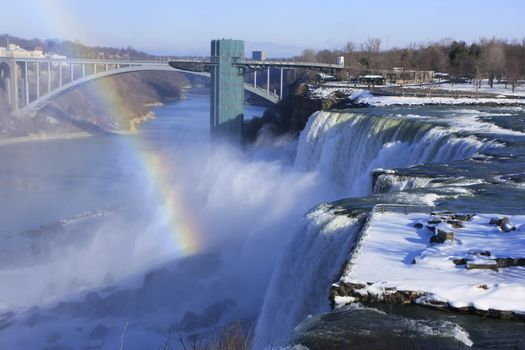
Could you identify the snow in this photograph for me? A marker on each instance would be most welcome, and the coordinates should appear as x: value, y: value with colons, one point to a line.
x: 325, y: 92
x: 497, y: 89
x: 364, y: 96
x: 391, y: 243
x: 410, y: 100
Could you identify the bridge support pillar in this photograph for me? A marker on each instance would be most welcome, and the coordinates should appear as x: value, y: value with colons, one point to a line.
x: 268, y: 81
x: 37, y: 80
x: 10, y: 69
x: 26, y: 84
x: 227, y: 89
x: 48, y: 77
x: 281, y: 87
x: 60, y: 79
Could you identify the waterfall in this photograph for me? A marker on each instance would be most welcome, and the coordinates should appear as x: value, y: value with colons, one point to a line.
x: 300, y: 284
x: 347, y: 147
x: 391, y: 182
x: 344, y: 148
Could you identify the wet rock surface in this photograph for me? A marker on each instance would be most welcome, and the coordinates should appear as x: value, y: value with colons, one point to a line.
x: 361, y: 327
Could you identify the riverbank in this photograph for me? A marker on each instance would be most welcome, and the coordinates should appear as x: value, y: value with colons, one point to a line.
x: 42, y: 137
x: 133, y: 129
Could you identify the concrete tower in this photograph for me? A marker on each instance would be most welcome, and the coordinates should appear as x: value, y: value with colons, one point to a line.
x: 227, y: 89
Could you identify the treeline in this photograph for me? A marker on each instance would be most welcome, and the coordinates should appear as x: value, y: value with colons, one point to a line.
x: 75, y: 49
x: 492, y: 59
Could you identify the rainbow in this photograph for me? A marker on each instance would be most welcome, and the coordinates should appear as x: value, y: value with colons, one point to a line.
x: 183, y: 228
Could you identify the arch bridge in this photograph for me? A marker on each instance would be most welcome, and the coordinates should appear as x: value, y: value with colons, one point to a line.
x: 32, y: 83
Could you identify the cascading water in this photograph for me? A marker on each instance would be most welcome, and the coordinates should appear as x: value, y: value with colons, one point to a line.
x: 345, y: 148
x: 392, y: 182
x: 300, y: 281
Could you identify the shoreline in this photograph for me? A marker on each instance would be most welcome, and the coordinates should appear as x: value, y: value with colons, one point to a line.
x: 43, y: 137
x: 134, y: 123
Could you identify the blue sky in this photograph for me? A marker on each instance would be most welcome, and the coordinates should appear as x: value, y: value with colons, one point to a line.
x: 281, y: 27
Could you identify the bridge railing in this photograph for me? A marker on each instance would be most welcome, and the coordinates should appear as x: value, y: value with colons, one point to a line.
x: 85, y: 61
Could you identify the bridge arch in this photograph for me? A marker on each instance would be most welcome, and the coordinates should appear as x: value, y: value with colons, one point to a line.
x: 47, y: 98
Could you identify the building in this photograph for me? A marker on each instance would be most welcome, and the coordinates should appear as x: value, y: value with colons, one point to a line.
x: 259, y: 55
x: 399, y: 75
x: 373, y: 79
x: 15, y: 51
x: 340, y: 61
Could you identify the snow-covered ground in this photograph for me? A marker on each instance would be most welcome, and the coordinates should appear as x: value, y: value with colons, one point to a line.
x: 327, y: 91
x: 372, y: 100
x: 497, y: 89
x: 395, y: 254
x: 363, y: 96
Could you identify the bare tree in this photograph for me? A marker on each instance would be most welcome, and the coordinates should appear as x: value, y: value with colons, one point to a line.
x: 371, y: 45
x: 308, y: 55
x: 327, y: 56
x: 514, y: 67
x: 349, y: 48
x: 492, y: 58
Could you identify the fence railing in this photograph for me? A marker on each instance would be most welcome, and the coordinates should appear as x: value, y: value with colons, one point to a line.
x: 402, y: 208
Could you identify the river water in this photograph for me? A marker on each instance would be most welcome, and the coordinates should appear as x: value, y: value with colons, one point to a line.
x: 118, y: 241
x: 154, y: 233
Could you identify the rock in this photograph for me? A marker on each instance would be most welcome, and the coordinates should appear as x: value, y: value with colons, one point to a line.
x: 456, y: 223
x: 507, y: 227
x: 463, y: 217
x: 487, y: 265
x: 482, y: 252
x: 510, y: 262
x: 461, y: 261
x: 503, y: 223
x: 444, y: 231
x: 441, y: 212
x: 481, y: 259
x: 433, y: 220
x: 474, y: 255
x: 418, y: 225
x: 431, y: 228
x: 494, y: 221
x: 437, y: 239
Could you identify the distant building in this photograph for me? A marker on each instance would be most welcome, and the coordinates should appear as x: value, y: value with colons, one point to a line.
x: 259, y: 55
x: 399, y: 75
x: 340, y: 60
x: 54, y: 56
x: 408, y: 76
x: 15, y: 51
x: 373, y: 79
x: 441, y: 76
